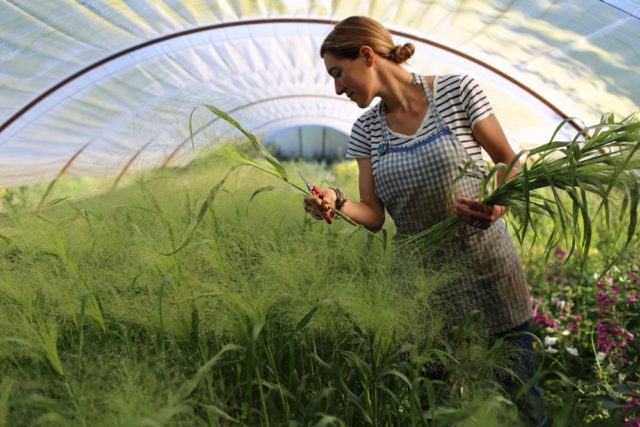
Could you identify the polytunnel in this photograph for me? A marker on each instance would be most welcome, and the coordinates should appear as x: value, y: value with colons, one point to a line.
x: 99, y: 87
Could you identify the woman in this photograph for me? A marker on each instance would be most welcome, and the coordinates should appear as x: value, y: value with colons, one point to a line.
x: 410, y: 148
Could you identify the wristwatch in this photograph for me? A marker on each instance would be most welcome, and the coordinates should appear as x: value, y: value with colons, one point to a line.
x: 340, y: 198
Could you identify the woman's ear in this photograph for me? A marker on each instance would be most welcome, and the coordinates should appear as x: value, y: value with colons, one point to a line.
x: 368, y: 55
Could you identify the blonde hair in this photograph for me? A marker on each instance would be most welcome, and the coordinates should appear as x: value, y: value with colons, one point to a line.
x: 350, y: 34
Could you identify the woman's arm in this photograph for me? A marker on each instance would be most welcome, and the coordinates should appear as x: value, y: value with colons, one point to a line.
x: 491, y: 137
x: 369, y: 211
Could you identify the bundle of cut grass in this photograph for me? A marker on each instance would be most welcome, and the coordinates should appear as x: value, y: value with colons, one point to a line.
x: 558, y: 182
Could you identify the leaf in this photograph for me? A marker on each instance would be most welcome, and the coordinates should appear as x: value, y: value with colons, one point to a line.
x: 634, y: 196
x: 266, y: 189
x: 5, y: 392
x: 219, y: 412
x: 190, y: 385
x: 56, y: 201
x: 306, y: 319
x: 203, y: 210
x: 355, y: 400
x: 251, y: 137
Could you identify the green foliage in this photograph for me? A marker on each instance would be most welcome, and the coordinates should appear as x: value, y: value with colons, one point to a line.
x: 203, y: 297
x: 264, y: 317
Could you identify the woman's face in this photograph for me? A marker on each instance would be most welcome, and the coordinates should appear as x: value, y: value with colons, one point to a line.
x: 351, y: 77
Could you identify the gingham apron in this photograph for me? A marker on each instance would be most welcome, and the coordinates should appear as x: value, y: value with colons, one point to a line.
x: 414, y: 182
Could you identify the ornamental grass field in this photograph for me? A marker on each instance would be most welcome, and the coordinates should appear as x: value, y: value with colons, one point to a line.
x: 172, y: 300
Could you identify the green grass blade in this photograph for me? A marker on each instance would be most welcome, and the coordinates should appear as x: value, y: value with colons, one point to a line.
x: 203, y: 210
x: 5, y: 392
x: 634, y: 198
x: 190, y: 385
x: 252, y: 138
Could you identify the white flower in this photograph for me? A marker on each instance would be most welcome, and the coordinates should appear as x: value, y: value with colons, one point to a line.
x: 600, y: 356
x: 566, y: 332
x: 572, y: 351
x: 549, y: 341
x: 551, y: 350
x: 558, y: 303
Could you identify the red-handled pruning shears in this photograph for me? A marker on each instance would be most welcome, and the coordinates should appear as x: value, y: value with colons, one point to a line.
x: 314, y: 190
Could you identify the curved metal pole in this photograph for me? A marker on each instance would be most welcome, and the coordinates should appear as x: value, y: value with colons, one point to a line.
x: 139, y: 46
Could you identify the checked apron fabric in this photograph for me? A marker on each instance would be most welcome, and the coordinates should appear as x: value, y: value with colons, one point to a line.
x: 414, y: 182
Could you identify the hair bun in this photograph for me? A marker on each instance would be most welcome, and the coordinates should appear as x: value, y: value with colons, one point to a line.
x: 400, y: 53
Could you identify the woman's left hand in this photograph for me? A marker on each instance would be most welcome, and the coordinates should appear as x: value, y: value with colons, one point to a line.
x: 477, y: 214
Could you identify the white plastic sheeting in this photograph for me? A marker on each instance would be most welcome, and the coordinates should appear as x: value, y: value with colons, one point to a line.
x: 121, y: 78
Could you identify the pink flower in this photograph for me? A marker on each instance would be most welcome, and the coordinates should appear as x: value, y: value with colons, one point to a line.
x: 608, y: 346
x: 631, y: 405
x: 630, y: 336
x: 602, y: 296
x: 633, y: 422
x: 573, y: 327
x: 615, y: 288
x: 632, y: 298
x: 601, y: 285
x: 552, y: 324
x: 559, y: 253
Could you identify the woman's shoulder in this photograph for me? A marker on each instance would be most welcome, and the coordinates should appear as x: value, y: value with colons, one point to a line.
x: 461, y: 82
x: 454, y: 79
x: 441, y: 83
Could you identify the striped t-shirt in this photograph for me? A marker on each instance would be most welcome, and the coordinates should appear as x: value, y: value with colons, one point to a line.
x: 460, y: 102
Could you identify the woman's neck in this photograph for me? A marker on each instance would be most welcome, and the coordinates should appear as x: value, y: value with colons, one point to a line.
x: 400, y: 94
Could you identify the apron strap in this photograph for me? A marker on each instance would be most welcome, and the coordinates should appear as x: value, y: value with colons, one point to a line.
x: 432, y: 104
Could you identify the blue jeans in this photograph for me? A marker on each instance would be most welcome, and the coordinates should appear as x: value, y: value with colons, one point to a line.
x: 520, y: 347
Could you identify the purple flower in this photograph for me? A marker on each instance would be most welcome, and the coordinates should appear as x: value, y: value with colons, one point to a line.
x: 559, y: 253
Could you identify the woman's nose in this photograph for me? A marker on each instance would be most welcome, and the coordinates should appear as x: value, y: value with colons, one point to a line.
x: 339, y: 87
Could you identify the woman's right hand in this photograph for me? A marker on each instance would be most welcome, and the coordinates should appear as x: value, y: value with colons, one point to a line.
x: 321, y: 208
